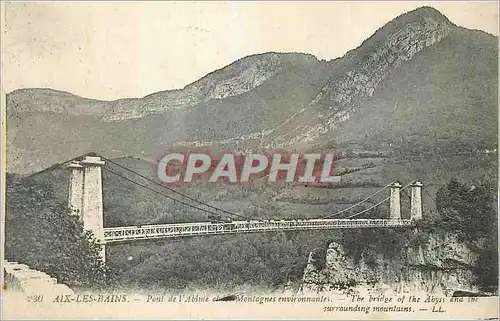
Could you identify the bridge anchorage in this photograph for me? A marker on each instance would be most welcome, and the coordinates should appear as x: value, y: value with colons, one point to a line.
x: 85, y: 200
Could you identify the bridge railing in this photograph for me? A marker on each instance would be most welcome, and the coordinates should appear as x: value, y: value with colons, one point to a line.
x: 118, y: 234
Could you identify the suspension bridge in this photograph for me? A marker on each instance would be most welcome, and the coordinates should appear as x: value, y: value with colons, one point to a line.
x: 86, y: 200
x: 117, y: 234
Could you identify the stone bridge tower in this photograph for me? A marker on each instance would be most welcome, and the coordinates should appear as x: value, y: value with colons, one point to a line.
x: 395, y: 202
x: 415, y: 205
x: 416, y: 201
x: 85, y: 196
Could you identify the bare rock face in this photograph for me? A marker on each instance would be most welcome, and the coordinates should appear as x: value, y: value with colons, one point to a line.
x: 310, y: 280
x: 124, y: 109
x: 233, y: 80
x: 374, y: 67
x: 441, y: 265
x: 254, y: 73
x: 385, y: 51
x: 337, y: 275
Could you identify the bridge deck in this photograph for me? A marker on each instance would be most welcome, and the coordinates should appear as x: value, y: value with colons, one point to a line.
x: 128, y: 233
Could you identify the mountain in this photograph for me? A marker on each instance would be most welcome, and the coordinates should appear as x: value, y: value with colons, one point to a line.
x: 416, y: 100
x: 418, y: 83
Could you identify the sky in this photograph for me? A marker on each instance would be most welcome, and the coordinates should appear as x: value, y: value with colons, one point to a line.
x: 111, y: 50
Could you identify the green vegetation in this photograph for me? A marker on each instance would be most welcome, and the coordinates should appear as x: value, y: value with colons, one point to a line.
x: 470, y: 211
x: 412, y: 123
x: 44, y: 235
x: 463, y: 210
x: 41, y: 233
x: 226, y: 262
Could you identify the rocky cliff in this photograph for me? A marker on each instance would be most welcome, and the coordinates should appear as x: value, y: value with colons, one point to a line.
x: 235, y: 79
x: 397, y: 42
x: 242, y: 76
x: 440, y: 265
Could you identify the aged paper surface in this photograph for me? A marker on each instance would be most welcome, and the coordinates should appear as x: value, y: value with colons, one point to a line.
x: 267, y: 160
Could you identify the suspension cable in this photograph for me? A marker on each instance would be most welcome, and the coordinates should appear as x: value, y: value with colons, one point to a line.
x: 359, y: 203
x: 173, y: 190
x: 371, y: 207
x: 56, y: 165
x: 165, y: 195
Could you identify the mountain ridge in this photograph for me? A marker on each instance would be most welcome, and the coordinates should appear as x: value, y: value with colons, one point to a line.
x: 285, y: 100
x: 403, y: 19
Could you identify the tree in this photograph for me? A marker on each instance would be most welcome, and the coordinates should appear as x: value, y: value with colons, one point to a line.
x: 42, y: 233
x: 469, y: 210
